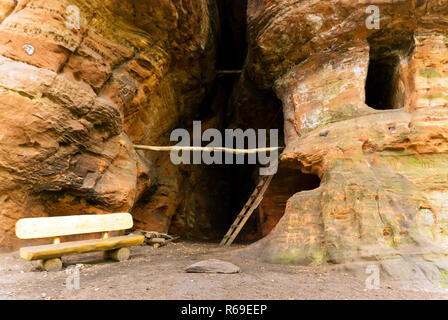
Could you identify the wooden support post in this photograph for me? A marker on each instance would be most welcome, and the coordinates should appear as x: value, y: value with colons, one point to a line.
x: 121, y: 254
x: 54, y: 264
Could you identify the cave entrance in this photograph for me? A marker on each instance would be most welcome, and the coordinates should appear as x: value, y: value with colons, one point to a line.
x: 383, y: 83
x: 216, y: 194
x: 284, y: 185
x: 287, y: 182
x: 208, y: 209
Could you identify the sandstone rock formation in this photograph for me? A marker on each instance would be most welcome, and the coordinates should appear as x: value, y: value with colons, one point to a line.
x: 362, y: 180
x: 213, y: 266
x: 366, y: 111
x: 75, y: 96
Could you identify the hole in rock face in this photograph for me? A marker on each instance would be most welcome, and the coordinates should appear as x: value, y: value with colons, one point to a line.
x: 383, y: 84
x: 385, y: 88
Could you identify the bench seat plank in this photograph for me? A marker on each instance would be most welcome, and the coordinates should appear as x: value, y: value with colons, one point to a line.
x: 46, y: 227
x: 50, y: 251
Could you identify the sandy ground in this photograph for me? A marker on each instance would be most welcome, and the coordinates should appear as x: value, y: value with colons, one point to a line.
x: 159, y: 274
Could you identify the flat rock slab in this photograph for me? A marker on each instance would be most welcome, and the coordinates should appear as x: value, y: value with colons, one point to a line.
x: 213, y: 266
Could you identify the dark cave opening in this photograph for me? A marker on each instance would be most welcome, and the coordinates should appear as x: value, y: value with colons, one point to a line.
x: 221, y: 191
x: 232, y: 51
x: 232, y: 42
x: 219, y: 184
x: 287, y: 182
x: 382, y: 84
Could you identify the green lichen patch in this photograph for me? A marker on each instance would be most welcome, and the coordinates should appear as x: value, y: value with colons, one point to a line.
x: 435, y: 96
x: 430, y: 73
x: 300, y: 256
x: 318, y: 257
x: 414, y: 160
x: 443, y: 279
x: 406, y: 241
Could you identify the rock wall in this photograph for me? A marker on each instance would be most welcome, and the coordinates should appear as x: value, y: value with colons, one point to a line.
x: 74, y: 100
x: 384, y: 190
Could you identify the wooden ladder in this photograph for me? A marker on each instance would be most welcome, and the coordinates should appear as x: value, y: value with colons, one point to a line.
x: 246, y: 212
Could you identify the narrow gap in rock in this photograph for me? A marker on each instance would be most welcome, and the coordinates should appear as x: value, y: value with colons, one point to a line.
x: 229, y: 186
x: 232, y: 46
x: 246, y: 178
x: 223, y: 179
x: 265, y: 112
x: 381, y: 83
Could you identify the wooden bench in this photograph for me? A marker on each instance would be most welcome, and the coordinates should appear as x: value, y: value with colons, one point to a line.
x: 49, y: 255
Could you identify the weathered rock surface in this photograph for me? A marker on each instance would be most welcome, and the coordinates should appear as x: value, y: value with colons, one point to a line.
x: 74, y: 100
x: 213, y: 266
x: 365, y: 112
x: 384, y: 190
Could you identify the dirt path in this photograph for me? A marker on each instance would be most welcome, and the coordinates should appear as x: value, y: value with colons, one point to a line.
x: 159, y: 274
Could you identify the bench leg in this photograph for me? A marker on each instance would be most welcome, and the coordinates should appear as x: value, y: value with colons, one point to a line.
x: 117, y: 254
x: 50, y: 264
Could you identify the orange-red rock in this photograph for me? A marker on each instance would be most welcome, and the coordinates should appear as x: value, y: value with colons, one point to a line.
x: 383, y: 195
